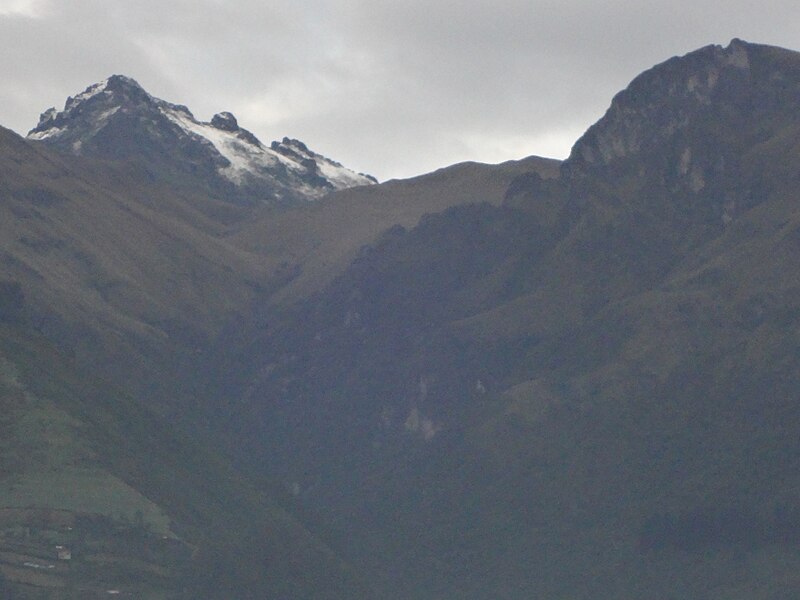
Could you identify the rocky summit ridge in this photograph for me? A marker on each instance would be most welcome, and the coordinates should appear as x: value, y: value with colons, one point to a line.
x: 730, y: 85
x: 117, y: 119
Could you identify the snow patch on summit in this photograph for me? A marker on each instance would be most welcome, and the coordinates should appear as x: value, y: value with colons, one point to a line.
x: 88, y: 93
x: 243, y: 156
x: 339, y: 176
x: 47, y: 133
x: 248, y: 157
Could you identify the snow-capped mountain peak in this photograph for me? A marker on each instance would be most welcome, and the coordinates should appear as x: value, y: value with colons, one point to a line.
x: 117, y: 118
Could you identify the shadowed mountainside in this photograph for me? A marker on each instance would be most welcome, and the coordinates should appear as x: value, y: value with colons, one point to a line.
x: 590, y: 391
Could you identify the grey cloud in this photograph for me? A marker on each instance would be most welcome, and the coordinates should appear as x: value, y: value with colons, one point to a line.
x: 391, y: 88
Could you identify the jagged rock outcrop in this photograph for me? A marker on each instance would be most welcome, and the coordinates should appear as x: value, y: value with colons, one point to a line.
x: 686, y: 142
x: 688, y: 119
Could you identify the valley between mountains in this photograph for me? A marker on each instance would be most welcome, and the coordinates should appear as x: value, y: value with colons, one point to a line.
x: 231, y: 369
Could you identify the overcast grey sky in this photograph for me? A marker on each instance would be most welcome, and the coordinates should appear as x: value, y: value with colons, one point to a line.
x: 392, y: 88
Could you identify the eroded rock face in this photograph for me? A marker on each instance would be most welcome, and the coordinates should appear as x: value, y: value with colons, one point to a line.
x: 677, y: 95
x: 685, y: 134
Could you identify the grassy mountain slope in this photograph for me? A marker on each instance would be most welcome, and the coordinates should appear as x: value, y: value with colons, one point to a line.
x: 321, y: 240
x: 119, y: 271
x: 141, y: 508
x: 135, y: 276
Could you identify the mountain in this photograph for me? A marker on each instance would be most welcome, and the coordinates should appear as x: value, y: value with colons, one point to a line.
x: 535, y: 379
x: 587, y: 391
x: 105, y: 289
x: 115, y: 282
x: 117, y: 119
